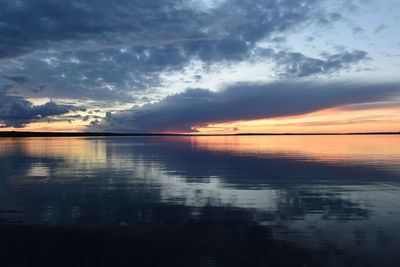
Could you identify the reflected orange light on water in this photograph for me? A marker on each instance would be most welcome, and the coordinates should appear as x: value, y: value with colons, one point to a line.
x: 54, y: 156
x: 75, y: 149
x: 331, y: 149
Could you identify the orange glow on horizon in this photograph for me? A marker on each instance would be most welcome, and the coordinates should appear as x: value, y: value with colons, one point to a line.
x: 334, y: 120
x: 48, y: 127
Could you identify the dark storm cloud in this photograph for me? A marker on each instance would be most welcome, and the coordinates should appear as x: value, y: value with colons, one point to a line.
x: 199, y: 107
x: 250, y: 22
x: 109, y: 50
x: 30, y: 25
x: 15, y: 111
x: 114, y: 75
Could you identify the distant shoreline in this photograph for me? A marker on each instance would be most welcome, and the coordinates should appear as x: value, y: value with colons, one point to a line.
x: 94, y: 134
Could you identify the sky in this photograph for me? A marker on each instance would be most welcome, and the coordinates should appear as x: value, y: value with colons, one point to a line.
x: 200, y: 66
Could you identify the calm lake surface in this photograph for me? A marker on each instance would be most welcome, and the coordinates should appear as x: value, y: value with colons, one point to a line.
x: 200, y: 201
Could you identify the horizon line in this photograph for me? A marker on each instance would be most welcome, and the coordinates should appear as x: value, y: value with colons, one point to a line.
x: 72, y: 134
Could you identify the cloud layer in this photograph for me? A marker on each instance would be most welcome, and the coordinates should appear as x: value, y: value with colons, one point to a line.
x: 297, y: 65
x: 27, y: 26
x: 118, y: 50
x: 200, y: 107
x: 16, y: 112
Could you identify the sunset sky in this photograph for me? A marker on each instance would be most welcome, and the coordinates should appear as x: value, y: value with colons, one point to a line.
x: 200, y: 66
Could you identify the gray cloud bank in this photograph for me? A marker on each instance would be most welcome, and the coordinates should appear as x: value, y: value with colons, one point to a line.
x: 200, y: 107
x: 31, y: 25
x: 115, y: 50
x: 16, y: 112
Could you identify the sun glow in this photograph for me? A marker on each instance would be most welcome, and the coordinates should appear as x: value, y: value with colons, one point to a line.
x: 337, y: 120
x: 345, y: 119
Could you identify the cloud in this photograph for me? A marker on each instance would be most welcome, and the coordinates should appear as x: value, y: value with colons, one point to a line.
x: 119, y: 50
x: 127, y: 75
x: 357, y: 30
x: 17, y: 79
x: 380, y: 28
x: 27, y: 26
x: 297, y: 65
x: 200, y: 107
x: 16, y: 112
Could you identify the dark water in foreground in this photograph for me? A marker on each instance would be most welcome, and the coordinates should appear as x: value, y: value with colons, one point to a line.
x: 200, y: 201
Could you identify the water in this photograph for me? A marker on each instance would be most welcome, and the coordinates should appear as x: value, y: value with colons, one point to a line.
x: 200, y: 201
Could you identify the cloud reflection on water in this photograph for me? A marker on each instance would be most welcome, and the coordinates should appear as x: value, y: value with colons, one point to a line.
x: 315, y: 191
